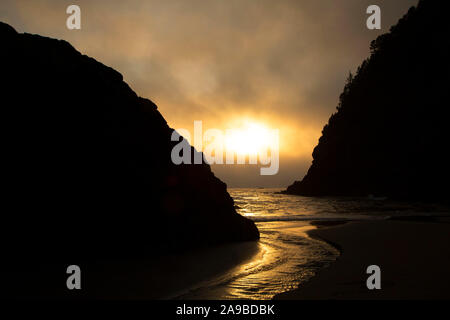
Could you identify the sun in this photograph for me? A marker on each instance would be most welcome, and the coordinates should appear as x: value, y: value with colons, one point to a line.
x: 251, y: 138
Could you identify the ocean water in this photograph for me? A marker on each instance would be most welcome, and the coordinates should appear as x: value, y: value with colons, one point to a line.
x: 287, y: 257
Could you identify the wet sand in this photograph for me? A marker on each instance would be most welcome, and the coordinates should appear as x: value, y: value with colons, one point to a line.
x: 164, y: 277
x: 171, y: 276
x: 414, y: 257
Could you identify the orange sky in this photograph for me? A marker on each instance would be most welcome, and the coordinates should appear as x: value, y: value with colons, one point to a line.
x: 279, y: 63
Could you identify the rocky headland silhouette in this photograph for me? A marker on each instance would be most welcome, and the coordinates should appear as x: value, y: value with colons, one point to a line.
x: 87, y: 171
x: 390, y: 133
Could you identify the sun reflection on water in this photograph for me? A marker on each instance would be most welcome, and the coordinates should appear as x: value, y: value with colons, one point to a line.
x: 286, y: 257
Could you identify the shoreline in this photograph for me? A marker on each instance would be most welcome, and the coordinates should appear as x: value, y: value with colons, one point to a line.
x: 162, y: 278
x: 413, y: 254
x: 175, y: 276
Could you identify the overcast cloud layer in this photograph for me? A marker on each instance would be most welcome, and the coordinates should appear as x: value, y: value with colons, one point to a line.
x: 280, y: 62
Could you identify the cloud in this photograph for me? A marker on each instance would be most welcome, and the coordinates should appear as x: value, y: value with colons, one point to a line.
x: 283, y: 62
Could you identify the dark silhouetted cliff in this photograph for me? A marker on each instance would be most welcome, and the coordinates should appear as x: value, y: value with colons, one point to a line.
x: 87, y: 172
x: 390, y: 134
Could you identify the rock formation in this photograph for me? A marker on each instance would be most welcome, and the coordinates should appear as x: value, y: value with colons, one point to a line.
x: 87, y: 172
x: 390, y: 133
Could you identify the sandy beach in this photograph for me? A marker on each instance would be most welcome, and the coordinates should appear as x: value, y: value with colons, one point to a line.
x: 414, y: 257
x: 164, y: 277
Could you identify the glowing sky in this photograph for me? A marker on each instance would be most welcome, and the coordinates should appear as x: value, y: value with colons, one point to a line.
x: 279, y: 63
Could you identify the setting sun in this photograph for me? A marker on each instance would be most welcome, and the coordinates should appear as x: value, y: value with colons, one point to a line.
x: 250, y: 139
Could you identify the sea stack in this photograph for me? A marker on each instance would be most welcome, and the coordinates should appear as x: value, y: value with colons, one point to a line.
x: 390, y: 136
